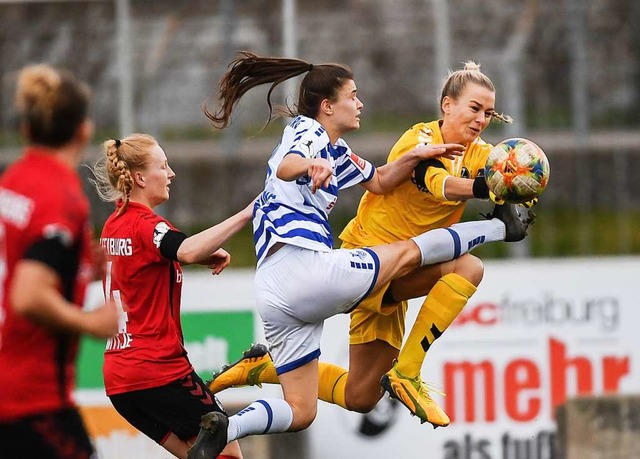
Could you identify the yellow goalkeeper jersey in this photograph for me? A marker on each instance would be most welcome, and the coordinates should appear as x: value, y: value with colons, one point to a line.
x: 418, y: 204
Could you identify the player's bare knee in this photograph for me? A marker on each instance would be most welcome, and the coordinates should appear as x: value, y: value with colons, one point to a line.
x: 362, y: 404
x: 400, y: 258
x: 302, y: 419
x: 362, y: 400
x: 471, y: 268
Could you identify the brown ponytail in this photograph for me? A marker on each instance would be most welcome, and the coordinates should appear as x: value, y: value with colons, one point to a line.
x: 249, y: 70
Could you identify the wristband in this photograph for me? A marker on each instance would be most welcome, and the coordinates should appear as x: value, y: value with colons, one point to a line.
x: 480, y: 188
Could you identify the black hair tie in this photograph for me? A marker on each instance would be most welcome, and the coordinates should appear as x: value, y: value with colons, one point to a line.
x: 118, y: 143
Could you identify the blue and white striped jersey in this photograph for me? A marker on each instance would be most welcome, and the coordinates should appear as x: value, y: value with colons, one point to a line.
x: 287, y: 211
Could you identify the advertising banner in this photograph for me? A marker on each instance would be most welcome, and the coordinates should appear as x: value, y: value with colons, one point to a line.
x: 534, y: 334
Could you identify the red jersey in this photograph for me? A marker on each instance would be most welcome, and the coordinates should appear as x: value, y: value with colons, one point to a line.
x: 148, y: 350
x: 41, y: 198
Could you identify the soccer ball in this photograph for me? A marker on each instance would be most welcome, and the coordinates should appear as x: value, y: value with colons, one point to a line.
x: 517, y: 170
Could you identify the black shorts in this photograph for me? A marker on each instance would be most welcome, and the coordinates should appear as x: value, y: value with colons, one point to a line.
x: 55, y: 435
x: 176, y: 407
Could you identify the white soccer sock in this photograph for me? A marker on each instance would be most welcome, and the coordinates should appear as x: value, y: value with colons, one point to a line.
x: 267, y: 416
x: 444, y: 244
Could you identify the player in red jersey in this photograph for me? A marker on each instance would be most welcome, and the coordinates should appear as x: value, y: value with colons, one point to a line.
x: 45, y: 265
x: 147, y: 373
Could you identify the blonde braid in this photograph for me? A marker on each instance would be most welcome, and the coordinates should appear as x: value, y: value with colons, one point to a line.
x: 112, y: 175
x: 119, y: 170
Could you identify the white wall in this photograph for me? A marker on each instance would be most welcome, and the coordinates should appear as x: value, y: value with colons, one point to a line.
x: 540, y: 326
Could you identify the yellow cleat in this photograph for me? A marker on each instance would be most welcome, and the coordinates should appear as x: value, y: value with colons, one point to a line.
x: 243, y: 372
x: 414, y: 394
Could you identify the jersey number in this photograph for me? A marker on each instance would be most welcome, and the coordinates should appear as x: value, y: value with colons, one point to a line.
x: 123, y: 339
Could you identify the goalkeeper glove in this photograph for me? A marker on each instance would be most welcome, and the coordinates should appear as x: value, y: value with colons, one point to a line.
x: 481, y: 191
x: 529, y: 204
x: 496, y: 199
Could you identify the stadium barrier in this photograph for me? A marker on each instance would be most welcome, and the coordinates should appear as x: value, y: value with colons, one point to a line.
x: 599, y: 427
x: 536, y: 334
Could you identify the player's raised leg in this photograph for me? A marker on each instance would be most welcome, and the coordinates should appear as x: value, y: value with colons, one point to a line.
x: 254, y: 368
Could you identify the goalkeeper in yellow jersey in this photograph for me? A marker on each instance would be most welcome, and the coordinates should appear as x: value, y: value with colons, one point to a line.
x: 433, y: 197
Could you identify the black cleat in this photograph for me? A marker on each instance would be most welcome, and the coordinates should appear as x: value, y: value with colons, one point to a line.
x: 212, y: 437
x: 516, y: 225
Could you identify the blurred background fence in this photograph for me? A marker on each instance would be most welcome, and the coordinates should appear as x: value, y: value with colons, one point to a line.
x: 568, y: 71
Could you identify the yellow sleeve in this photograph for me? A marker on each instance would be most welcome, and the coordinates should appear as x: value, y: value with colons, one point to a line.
x: 434, y: 179
x: 435, y: 176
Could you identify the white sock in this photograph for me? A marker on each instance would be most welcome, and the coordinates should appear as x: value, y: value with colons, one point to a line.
x: 267, y: 416
x: 444, y: 244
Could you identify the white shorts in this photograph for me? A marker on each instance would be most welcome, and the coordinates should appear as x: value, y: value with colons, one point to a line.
x: 297, y: 289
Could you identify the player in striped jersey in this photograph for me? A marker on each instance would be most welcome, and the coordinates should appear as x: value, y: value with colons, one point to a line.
x: 300, y: 279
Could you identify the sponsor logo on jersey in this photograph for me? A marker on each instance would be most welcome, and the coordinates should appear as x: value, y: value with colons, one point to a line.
x: 425, y: 136
x: 307, y: 149
x: 158, y: 233
x: 358, y: 161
